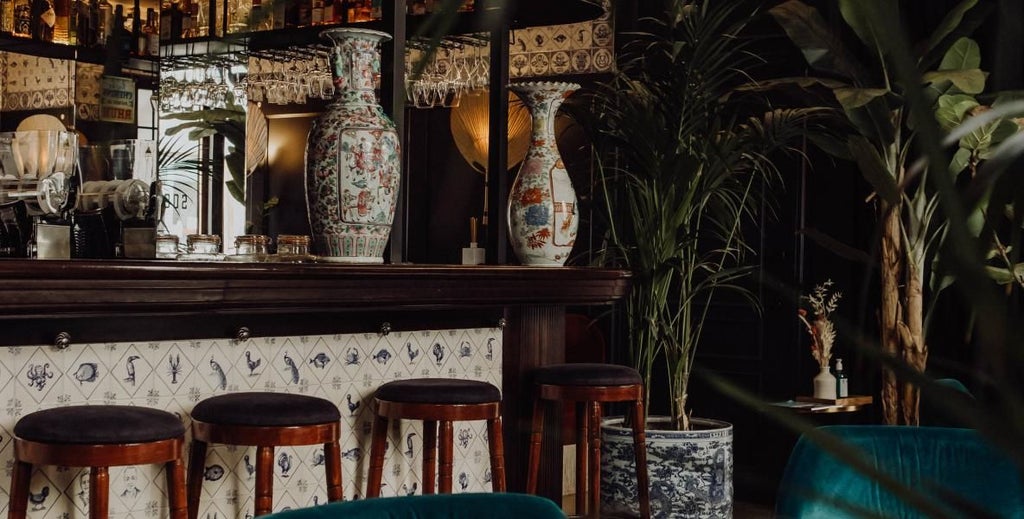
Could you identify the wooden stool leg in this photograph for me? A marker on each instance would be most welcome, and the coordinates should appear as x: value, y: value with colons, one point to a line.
x: 99, y: 493
x: 176, y: 500
x: 582, y: 451
x: 595, y: 460
x: 17, y: 506
x: 446, y: 444
x: 378, y: 443
x: 264, y: 480
x: 429, y: 456
x: 497, y: 445
x: 332, y: 466
x: 536, y: 435
x: 196, y: 460
x: 640, y: 450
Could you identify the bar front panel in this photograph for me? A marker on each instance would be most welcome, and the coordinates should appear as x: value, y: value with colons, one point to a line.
x: 175, y: 375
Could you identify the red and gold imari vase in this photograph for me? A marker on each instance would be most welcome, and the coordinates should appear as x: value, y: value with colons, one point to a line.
x: 353, y: 161
x: 542, y: 213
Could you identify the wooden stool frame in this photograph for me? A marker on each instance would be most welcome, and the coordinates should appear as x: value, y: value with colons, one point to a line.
x: 433, y: 416
x: 264, y: 438
x: 98, y: 457
x: 588, y: 438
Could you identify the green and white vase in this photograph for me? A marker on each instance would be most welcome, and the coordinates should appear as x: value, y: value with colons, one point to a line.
x: 542, y: 212
x: 353, y: 160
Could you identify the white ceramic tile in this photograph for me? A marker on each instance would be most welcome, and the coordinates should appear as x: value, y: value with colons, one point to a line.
x: 175, y: 375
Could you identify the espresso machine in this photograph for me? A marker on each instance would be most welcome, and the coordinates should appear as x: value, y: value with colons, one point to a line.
x: 37, y: 181
x: 118, y: 206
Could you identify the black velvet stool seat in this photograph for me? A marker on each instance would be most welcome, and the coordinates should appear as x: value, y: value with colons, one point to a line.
x: 590, y: 385
x: 438, y: 402
x: 264, y: 420
x: 98, y: 437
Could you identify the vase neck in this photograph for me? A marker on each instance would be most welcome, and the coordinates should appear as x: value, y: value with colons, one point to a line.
x: 355, y: 67
x: 543, y: 104
x: 543, y: 110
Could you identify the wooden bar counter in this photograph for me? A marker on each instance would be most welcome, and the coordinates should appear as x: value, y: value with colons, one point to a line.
x: 50, y: 308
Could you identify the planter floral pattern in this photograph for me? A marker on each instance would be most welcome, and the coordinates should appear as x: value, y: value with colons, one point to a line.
x: 690, y: 471
x: 353, y: 160
x: 542, y: 212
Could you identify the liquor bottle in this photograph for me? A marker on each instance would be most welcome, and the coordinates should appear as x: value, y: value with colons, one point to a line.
x: 177, y: 24
x: 842, y: 385
x: 278, y: 17
x: 6, y: 16
x: 23, y: 18
x: 105, y: 22
x: 151, y: 33
x: 138, y: 40
x: 119, y: 38
x: 165, y: 20
x: 43, y: 20
x: 305, y: 13
x: 62, y: 21
x: 94, y: 23
x: 83, y: 30
x: 317, y: 16
x: 330, y: 13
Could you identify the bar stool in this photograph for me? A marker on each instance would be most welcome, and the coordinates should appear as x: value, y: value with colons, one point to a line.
x: 264, y: 420
x: 98, y: 437
x: 436, y: 401
x: 589, y: 385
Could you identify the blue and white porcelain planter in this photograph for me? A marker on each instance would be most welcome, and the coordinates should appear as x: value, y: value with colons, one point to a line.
x: 690, y: 471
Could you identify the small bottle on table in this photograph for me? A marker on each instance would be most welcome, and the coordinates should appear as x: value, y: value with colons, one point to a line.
x: 842, y: 386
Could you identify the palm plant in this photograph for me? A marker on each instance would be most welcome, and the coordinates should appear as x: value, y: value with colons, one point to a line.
x: 687, y: 166
x: 883, y: 138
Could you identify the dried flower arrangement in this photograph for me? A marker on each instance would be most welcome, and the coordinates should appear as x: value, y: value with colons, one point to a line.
x: 819, y: 326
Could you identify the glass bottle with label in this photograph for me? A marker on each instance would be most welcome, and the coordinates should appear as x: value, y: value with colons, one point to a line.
x: 842, y: 385
x: 23, y: 18
x: 6, y: 16
x: 151, y: 33
x: 105, y: 22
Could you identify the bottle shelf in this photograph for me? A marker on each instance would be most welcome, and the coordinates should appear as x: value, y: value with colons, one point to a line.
x: 94, y: 55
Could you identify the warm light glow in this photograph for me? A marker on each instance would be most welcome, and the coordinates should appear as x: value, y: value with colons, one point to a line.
x: 470, y: 129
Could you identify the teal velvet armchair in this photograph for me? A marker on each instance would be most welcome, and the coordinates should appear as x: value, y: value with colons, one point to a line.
x: 437, y: 506
x: 944, y: 464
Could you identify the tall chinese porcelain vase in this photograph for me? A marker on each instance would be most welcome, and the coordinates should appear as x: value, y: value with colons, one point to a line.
x: 353, y: 161
x: 542, y: 209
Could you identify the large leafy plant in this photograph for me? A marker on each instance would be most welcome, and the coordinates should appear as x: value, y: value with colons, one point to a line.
x: 682, y: 175
x: 880, y: 138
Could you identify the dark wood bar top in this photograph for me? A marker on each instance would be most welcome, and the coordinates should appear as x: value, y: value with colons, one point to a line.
x: 68, y: 288
x: 69, y: 303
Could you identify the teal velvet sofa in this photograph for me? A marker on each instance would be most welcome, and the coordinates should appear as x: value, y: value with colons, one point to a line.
x: 437, y: 506
x: 944, y: 464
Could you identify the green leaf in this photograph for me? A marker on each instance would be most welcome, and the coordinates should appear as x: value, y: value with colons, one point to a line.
x: 965, y: 54
x: 851, y: 98
x: 854, y: 15
x: 874, y: 169
x: 820, y: 45
x: 1003, y: 275
x: 961, y: 159
x: 952, y: 109
x: 949, y: 23
x: 967, y: 81
x: 235, y: 190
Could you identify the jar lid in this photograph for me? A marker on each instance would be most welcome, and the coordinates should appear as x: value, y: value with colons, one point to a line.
x: 292, y: 239
x: 252, y: 239
x: 203, y: 238
x: 167, y: 237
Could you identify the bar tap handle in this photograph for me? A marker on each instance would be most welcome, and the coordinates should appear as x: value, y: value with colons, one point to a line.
x: 243, y: 334
x: 62, y: 341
